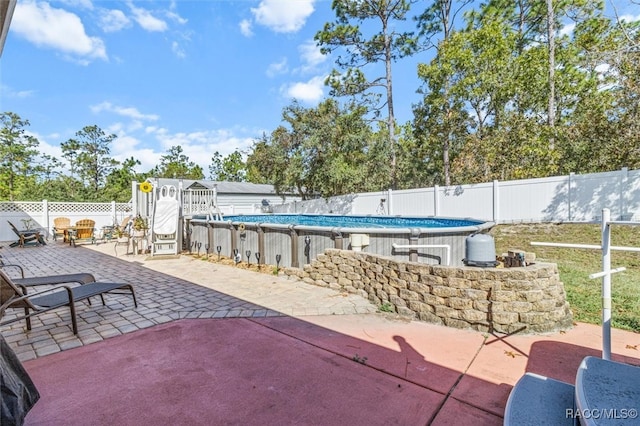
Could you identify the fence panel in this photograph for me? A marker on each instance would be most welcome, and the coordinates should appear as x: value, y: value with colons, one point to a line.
x: 473, y: 201
x: 534, y: 200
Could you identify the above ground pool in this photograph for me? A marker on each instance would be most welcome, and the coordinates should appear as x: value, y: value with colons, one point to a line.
x: 338, y: 221
x: 296, y: 239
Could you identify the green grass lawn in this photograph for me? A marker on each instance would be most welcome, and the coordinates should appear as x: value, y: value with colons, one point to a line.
x: 575, y: 265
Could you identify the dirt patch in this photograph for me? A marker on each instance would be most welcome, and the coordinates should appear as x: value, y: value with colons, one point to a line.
x: 224, y: 260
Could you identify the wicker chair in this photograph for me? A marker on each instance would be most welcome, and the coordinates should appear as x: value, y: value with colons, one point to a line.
x: 60, y: 227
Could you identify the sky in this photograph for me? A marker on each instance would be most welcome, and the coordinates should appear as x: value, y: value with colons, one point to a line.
x: 207, y: 75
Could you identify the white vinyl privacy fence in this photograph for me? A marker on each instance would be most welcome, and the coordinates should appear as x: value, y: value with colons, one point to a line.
x: 570, y: 198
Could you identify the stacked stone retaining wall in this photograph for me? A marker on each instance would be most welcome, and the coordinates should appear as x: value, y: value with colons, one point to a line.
x: 505, y: 300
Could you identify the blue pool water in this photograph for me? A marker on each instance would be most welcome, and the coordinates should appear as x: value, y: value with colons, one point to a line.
x: 333, y: 221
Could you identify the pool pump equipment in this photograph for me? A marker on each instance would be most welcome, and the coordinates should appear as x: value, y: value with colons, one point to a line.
x: 480, y: 250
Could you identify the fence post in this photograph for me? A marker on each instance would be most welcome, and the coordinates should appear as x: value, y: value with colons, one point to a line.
x: 496, y: 201
x: 45, y: 215
x: 606, y: 285
x: 569, y: 194
x: 436, y: 200
x: 113, y: 213
x: 624, y: 174
x: 134, y: 198
x: 390, y: 198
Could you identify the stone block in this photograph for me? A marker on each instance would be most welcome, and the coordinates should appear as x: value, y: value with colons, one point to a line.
x: 505, y: 317
x: 443, y: 291
x: 472, y: 315
x: 418, y: 306
x: 353, y: 276
x: 473, y: 294
x: 408, y: 276
x: 405, y: 312
x: 432, y: 299
x: 530, y: 296
x: 517, y: 307
x: 419, y: 287
x: 382, y: 295
x: 486, y: 285
x: 397, y: 301
x: 503, y: 296
x: 431, y: 280
x: 473, y: 274
x: 397, y: 282
x: 455, y: 282
x: 343, y: 281
x: 328, y: 278
x: 408, y: 295
x: 419, y: 268
x: 534, y: 317
x: 456, y: 323
x: 430, y: 317
x: 482, y: 305
x: 459, y: 303
x: 446, y: 312
x: 513, y: 284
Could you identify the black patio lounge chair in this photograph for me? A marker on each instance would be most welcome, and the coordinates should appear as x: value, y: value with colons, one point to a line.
x: 18, y: 393
x: 80, y: 278
x: 26, y: 236
x: 13, y: 296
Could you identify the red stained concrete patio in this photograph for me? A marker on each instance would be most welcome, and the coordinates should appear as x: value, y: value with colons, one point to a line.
x: 237, y: 347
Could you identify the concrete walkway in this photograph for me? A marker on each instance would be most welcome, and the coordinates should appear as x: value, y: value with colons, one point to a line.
x: 471, y: 372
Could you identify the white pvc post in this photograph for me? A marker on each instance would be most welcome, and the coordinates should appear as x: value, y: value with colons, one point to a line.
x: 606, y: 285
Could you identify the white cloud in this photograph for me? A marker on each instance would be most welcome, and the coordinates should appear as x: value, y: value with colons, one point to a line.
x: 630, y: 18
x: 310, y: 55
x: 245, y: 28
x: 310, y: 92
x: 129, y: 112
x: 146, y: 20
x: 57, y: 29
x: 148, y: 144
x: 113, y: 20
x: 178, y: 50
x: 283, y: 16
x: 567, y: 29
x: 177, y: 18
x: 8, y: 92
x: 277, y: 68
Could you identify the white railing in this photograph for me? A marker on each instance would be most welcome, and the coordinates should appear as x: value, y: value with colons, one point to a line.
x: 606, y: 272
x: 40, y: 214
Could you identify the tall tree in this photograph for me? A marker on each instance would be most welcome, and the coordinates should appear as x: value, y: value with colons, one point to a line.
x: 436, y: 25
x: 384, y: 45
x: 90, y: 151
x: 231, y: 168
x: 118, y: 186
x: 176, y: 165
x: 323, y: 152
x: 17, y: 154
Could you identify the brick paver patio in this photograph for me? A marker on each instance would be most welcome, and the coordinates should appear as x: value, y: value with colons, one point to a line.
x: 166, y: 290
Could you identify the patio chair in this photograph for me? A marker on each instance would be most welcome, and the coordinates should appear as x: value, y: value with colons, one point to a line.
x: 13, y: 296
x: 83, y: 230
x: 80, y: 278
x: 26, y: 236
x: 60, y: 227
